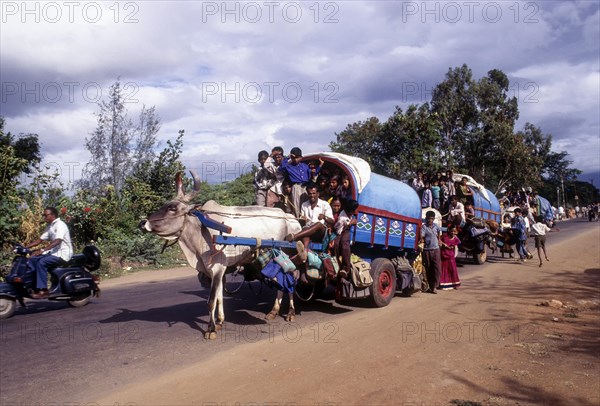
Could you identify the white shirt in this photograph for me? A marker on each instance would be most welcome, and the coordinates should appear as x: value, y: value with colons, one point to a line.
x: 539, y: 229
x: 526, y: 219
x: 342, y: 222
x: 458, y: 211
x: 418, y: 184
x: 58, y: 229
x: 312, y: 213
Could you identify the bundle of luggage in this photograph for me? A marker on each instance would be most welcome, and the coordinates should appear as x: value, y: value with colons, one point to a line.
x: 408, y: 279
x: 477, y: 229
x: 280, y: 272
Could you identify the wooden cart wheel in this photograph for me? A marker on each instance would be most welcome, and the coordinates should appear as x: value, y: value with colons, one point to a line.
x: 383, y: 288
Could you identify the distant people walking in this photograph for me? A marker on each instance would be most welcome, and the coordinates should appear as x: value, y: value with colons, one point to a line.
x: 520, y: 234
x: 505, y: 230
x: 539, y: 230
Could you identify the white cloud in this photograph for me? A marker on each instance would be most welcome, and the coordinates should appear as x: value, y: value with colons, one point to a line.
x: 224, y: 82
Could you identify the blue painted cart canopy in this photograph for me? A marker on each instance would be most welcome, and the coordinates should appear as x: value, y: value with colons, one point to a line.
x: 389, y: 213
x: 391, y: 195
x: 486, y: 205
x: 546, y: 209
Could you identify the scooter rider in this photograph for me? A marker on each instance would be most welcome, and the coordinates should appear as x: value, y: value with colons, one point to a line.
x: 58, y: 252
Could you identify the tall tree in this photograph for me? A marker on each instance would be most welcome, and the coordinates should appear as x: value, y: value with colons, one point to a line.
x: 361, y: 139
x: 454, y: 103
x: 146, y: 131
x: 110, y: 144
x: 117, y: 147
x: 557, y: 168
x: 24, y: 148
x: 162, y: 170
x: 411, y: 141
x: 469, y: 127
x: 18, y: 155
x: 478, y: 119
x: 497, y: 114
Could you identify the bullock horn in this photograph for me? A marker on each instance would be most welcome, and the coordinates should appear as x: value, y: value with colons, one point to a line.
x: 197, y: 182
x: 187, y: 197
x: 179, y: 185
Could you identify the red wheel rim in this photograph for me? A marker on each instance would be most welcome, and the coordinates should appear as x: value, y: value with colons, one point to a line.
x: 385, y: 283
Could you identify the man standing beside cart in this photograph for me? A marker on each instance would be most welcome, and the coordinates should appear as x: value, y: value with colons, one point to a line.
x: 432, y: 260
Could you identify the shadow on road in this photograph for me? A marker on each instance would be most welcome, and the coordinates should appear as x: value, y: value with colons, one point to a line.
x: 523, y: 393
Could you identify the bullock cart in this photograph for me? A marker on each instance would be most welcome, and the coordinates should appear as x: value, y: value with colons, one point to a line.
x: 385, y: 237
x: 479, y: 233
x: 542, y: 207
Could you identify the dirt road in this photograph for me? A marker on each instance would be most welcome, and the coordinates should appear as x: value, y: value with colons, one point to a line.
x: 491, y: 341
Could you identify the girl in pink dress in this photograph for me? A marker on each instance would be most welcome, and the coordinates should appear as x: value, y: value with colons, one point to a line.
x: 449, y: 275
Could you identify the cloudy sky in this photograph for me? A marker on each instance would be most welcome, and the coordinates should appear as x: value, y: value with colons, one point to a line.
x: 239, y: 77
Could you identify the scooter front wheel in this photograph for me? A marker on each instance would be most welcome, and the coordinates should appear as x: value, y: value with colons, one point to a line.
x: 80, y: 301
x: 7, y: 307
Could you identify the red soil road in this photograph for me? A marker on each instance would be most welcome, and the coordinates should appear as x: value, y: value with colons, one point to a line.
x: 489, y: 341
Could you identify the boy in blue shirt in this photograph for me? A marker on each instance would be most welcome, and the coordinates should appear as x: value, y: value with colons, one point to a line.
x: 298, y: 174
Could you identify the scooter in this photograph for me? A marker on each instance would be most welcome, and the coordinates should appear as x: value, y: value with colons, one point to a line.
x: 73, y: 282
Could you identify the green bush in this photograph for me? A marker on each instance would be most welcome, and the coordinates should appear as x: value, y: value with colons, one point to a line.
x: 135, y: 247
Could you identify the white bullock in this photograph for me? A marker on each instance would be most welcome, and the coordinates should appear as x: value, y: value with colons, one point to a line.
x: 175, y: 221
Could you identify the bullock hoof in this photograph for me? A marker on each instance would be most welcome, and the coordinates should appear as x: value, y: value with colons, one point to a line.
x: 271, y: 315
x: 291, y: 317
x: 210, y: 335
x: 218, y: 326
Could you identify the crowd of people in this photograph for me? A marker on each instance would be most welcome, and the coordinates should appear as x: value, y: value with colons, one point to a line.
x: 280, y: 181
x: 435, y: 191
x: 320, y: 200
x: 522, y: 218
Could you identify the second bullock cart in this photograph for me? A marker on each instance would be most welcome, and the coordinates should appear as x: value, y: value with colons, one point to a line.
x: 477, y: 236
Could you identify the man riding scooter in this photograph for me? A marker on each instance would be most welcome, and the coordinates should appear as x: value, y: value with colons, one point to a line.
x: 57, y: 253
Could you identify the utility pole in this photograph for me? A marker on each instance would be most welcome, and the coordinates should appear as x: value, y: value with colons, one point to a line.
x: 562, y: 184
